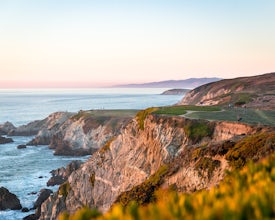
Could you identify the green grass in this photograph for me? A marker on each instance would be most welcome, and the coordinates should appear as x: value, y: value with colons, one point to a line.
x: 182, y: 109
x: 105, y: 113
x: 198, y: 129
x: 250, y: 116
x: 141, y: 115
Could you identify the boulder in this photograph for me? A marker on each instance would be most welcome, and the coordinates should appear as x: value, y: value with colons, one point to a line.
x: 21, y: 146
x: 4, y: 140
x: 8, y: 200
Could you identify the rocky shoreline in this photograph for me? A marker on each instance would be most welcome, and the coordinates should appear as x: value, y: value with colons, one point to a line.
x: 74, y: 134
x: 126, y: 151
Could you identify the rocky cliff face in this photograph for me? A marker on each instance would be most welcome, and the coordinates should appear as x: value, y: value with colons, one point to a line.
x: 138, y: 152
x: 256, y: 91
x: 84, y: 133
x: 50, y: 126
x: 78, y: 134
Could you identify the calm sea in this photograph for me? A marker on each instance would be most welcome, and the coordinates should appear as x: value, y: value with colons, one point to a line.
x: 27, y: 170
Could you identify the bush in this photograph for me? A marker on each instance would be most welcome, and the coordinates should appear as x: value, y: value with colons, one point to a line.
x: 141, y: 116
x: 198, y: 129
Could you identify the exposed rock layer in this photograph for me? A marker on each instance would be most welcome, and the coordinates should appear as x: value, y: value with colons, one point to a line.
x: 136, y: 154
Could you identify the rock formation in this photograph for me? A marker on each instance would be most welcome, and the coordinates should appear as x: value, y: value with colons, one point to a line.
x: 50, y: 126
x: 175, y: 92
x: 21, y: 146
x: 8, y: 200
x: 193, y: 151
x: 84, y: 133
x: 6, y: 128
x: 30, y: 129
x: 4, y: 140
x: 60, y: 175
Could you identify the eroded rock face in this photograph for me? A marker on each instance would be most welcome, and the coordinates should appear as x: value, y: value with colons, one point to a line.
x: 8, y: 200
x: 30, y: 129
x: 51, y: 125
x: 85, y: 135
x: 133, y: 156
x: 61, y: 175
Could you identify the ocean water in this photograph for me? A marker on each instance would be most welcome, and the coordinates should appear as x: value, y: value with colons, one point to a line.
x: 28, y: 170
x: 22, y: 106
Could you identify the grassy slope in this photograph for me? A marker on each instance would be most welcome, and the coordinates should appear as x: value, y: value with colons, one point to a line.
x: 250, y: 116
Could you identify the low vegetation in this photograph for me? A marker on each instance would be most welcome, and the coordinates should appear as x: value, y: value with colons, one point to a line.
x: 249, y: 116
x: 244, y: 194
x: 141, y: 115
x: 198, y: 129
x: 144, y: 193
x: 251, y: 147
x: 182, y: 109
x: 64, y: 189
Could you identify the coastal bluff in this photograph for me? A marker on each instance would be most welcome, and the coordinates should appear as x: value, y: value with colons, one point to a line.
x: 252, y: 92
x: 155, y: 146
x: 75, y: 134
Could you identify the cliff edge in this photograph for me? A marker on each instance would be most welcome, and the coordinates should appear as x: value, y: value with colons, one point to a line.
x: 153, y: 151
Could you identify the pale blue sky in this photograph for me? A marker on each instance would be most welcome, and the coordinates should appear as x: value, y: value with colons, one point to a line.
x: 108, y: 42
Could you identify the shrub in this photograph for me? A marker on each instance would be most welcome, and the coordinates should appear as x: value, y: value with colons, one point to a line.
x: 144, y: 193
x: 244, y: 194
x: 141, y: 115
x: 251, y: 147
x: 64, y: 189
x: 198, y: 129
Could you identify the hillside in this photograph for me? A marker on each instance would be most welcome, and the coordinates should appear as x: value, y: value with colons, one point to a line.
x: 256, y: 92
x: 184, y: 84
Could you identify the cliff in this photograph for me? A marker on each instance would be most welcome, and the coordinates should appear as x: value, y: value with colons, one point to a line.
x: 151, y: 151
x: 49, y: 127
x: 175, y: 92
x: 257, y: 92
x: 82, y: 133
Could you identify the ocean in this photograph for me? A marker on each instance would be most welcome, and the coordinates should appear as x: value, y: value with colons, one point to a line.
x: 26, y: 171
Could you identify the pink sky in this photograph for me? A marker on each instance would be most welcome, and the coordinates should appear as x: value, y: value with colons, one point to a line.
x: 91, y: 44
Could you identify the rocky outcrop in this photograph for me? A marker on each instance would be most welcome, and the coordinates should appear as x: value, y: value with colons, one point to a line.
x: 21, y: 146
x: 50, y: 126
x: 256, y: 92
x: 139, y: 152
x: 43, y: 195
x: 84, y: 133
x: 8, y: 200
x: 175, y: 92
x: 60, y: 175
x: 4, y: 140
x: 30, y: 129
x: 6, y: 128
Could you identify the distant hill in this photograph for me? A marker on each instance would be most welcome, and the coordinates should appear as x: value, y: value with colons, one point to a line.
x: 183, y: 84
x: 256, y: 91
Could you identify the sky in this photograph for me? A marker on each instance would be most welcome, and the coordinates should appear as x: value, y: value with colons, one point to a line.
x: 91, y: 43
